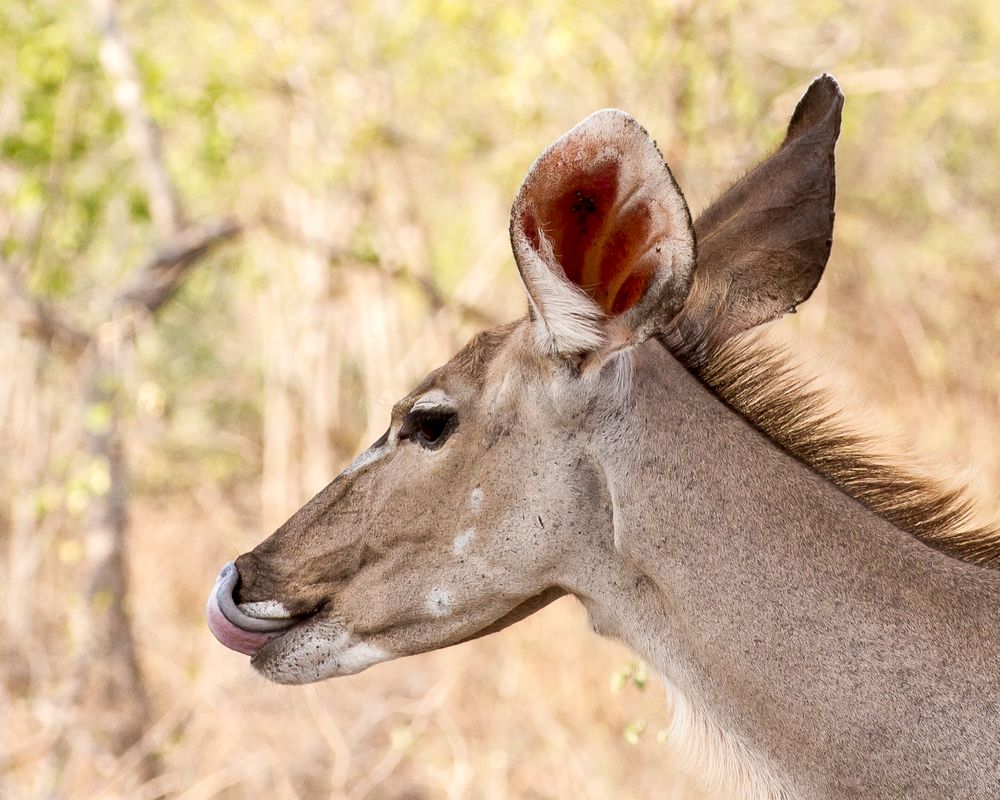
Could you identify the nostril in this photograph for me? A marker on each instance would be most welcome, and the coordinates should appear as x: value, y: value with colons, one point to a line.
x: 236, y: 589
x: 246, y: 571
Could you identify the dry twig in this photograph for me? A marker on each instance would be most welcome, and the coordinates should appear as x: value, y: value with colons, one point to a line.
x: 155, y: 281
x: 37, y: 318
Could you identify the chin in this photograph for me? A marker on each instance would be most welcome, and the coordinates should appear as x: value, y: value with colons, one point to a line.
x: 315, y: 651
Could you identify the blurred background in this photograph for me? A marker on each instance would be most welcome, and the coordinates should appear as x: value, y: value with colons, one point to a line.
x: 233, y: 232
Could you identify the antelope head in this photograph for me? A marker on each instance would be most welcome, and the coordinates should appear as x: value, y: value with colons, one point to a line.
x: 495, y: 488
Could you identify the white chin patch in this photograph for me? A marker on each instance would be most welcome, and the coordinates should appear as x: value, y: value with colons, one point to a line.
x: 305, y: 656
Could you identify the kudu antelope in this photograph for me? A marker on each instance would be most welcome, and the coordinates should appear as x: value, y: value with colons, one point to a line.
x: 827, y: 624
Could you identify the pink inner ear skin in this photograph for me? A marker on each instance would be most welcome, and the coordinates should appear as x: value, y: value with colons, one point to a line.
x: 599, y: 217
x: 631, y: 291
x: 601, y: 247
x: 576, y: 219
x: 621, y: 268
x: 530, y: 228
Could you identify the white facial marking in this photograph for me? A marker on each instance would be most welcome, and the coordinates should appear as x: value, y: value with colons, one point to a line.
x: 433, y: 400
x: 359, y: 656
x: 265, y: 609
x: 476, y: 499
x: 316, y: 655
x: 438, y: 602
x: 462, y: 541
x: 369, y: 456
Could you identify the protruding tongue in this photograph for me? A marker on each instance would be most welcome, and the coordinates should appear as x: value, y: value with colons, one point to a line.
x: 236, y: 630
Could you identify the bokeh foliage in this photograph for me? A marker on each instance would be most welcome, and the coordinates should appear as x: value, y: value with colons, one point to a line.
x: 372, y: 149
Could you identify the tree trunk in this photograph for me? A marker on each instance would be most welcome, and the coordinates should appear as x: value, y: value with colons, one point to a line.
x: 112, y: 693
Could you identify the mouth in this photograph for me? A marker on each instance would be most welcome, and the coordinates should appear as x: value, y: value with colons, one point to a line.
x: 302, y: 648
x: 244, y: 627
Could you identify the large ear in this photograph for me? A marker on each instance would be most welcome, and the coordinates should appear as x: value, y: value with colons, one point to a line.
x: 602, y: 238
x: 763, y: 245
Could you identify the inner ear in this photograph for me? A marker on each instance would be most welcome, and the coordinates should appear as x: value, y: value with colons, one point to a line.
x: 599, y: 236
x: 600, y: 230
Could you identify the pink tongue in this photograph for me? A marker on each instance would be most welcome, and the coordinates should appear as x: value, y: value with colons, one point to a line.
x: 233, y: 637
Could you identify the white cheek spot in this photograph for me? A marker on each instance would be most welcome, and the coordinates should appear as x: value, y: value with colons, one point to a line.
x: 462, y: 541
x: 438, y: 602
x: 476, y: 499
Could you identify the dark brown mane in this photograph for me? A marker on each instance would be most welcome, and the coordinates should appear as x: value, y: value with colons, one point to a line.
x: 759, y: 381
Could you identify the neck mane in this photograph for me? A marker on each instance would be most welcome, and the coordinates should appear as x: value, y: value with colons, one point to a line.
x: 759, y: 381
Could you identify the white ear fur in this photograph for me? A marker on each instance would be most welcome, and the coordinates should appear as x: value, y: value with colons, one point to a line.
x: 565, y: 319
x: 602, y: 192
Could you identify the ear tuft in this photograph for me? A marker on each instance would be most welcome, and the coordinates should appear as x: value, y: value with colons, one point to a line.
x: 600, y: 230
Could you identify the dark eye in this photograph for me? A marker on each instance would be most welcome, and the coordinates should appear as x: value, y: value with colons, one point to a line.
x: 429, y: 427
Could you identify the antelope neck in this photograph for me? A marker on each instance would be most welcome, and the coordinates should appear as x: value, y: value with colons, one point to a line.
x: 832, y: 652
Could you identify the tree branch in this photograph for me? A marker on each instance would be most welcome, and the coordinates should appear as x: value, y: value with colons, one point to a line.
x: 339, y: 256
x: 142, y: 133
x: 37, y: 318
x: 156, y: 281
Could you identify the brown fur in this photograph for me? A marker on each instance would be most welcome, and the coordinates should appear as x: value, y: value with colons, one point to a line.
x: 813, y: 648
x: 759, y: 381
x: 474, y: 359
